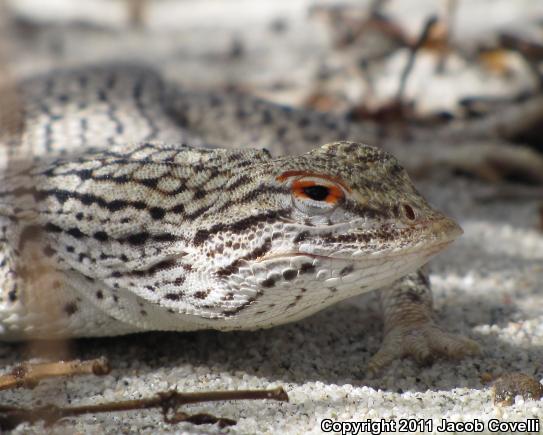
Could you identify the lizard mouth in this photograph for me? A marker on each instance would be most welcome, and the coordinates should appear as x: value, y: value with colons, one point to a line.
x: 360, y: 255
x: 436, y: 235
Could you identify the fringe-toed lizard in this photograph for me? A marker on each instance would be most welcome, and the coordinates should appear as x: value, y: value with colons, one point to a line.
x: 114, y: 226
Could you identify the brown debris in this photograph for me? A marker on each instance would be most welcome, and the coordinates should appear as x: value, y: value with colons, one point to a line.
x: 530, y: 49
x: 510, y: 385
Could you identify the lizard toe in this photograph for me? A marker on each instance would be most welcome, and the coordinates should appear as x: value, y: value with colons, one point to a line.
x: 422, y: 342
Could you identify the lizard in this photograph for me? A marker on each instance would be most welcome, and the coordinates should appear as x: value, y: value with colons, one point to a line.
x: 125, y: 207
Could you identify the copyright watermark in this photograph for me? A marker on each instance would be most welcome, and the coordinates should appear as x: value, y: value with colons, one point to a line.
x: 376, y: 427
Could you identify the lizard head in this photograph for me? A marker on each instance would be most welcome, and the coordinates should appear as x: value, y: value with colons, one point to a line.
x: 353, y: 201
x: 311, y: 230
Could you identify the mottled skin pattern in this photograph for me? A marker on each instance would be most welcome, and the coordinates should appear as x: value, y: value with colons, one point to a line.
x: 110, y: 224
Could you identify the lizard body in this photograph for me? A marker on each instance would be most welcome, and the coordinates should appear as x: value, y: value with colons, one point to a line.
x: 116, y: 226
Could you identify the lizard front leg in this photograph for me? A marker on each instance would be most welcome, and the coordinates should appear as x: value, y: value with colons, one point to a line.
x: 409, y: 326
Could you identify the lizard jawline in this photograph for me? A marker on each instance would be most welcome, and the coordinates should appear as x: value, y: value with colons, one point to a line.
x: 425, y: 251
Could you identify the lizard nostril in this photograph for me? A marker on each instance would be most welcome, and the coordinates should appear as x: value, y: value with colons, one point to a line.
x: 409, y: 212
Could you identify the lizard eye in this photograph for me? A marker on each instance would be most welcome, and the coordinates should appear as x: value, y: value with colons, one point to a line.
x: 316, y: 195
x: 316, y: 192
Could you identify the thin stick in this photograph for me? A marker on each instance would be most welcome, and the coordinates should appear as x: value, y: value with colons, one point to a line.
x: 29, y: 375
x: 167, y: 401
x: 414, y: 49
x: 450, y: 14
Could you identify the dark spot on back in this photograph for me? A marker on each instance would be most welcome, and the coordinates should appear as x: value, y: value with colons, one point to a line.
x: 75, y: 232
x: 137, y: 239
x: 70, y: 308
x: 172, y: 296
x: 179, y: 280
x: 199, y: 194
x: 164, y: 238
x: 101, y: 236
x: 200, y: 237
x: 201, y: 294
x: 157, y: 212
x: 178, y: 209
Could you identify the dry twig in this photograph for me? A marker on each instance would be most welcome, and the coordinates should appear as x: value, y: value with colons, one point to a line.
x: 29, y: 375
x: 430, y: 22
x: 167, y: 401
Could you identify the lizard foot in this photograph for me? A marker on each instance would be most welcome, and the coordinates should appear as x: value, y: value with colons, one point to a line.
x: 423, y: 342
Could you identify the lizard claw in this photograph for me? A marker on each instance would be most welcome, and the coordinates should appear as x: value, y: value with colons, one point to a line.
x: 422, y: 342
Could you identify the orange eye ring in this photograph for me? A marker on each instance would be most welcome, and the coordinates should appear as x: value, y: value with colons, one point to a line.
x: 316, y: 187
x: 303, y: 174
x: 317, y: 191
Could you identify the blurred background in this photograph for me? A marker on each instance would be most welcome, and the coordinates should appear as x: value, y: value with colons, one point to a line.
x: 399, y: 63
x: 346, y: 55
